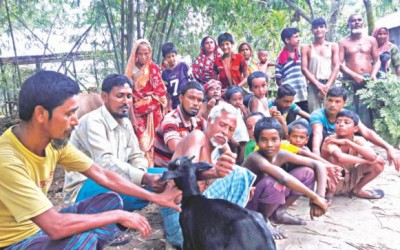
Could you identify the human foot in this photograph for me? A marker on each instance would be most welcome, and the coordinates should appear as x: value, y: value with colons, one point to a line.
x: 276, y: 233
x: 368, y: 194
x: 282, y: 217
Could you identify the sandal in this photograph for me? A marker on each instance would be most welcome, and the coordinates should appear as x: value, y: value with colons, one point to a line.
x: 373, y: 194
x: 120, y: 240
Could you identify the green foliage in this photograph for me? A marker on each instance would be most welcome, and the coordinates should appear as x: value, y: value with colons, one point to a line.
x: 383, y: 95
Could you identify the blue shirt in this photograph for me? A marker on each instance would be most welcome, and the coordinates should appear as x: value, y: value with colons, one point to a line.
x: 319, y: 116
x: 174, y: 80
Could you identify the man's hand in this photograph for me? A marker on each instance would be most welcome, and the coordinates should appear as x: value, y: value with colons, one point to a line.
x: 152, y: 181
x: 225, y: 162
x: 169, y: 198
x: 318, y: 206
x: 393, y: 157
x: 275, y: 113
x: 334, y: 173
x: 135, y: 221
x: 359, y: 79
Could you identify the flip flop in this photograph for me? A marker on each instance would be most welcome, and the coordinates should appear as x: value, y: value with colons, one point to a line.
x: 374, y: 194
x: 120, y: 241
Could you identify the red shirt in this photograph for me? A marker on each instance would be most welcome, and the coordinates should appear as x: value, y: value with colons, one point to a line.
x: 238, y: 68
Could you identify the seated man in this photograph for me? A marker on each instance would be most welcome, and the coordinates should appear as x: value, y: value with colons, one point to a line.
x: 233, y: 183
x: 29, y: 153
x: 360, y: 164
x: 276, y: 189
x: 323, y: 124
x: 106, y: 135
x: 178, y: 123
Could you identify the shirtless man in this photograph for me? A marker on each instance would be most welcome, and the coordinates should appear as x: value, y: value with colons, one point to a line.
x: 211, y: 146
x: 359, y: 58
x: 319, y: 64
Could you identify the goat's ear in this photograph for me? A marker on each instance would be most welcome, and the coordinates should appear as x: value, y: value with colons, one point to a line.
x: 202, y: 166
x: 168, y: 175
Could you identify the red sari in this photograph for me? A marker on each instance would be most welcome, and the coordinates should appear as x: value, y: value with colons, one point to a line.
x: 149, y: 100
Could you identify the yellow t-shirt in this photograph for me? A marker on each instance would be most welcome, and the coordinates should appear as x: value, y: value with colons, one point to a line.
x: 285, y: 145
x: 24, y: 182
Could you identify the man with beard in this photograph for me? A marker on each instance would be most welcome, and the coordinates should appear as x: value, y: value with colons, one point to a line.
x: 178, y: 123
x: 107, y: 136
x: 359, y: 58
x: 229, y: 181
x: 47, y: 110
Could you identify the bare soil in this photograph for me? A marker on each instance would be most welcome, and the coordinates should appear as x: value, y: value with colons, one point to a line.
x: 350, y: 223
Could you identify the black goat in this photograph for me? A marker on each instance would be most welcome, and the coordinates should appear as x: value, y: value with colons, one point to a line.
x: 214, y: 223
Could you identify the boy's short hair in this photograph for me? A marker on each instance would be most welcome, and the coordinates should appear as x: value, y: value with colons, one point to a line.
x: 225, y: 37
x: 267, y: 123
x: 300, y: 123
x: 48, y: 89
x: 256, y: 74
x: 167, y: 48
x: 287, y: 33
x: 252, y: 114
x: 337, y: 92
x: 262, y: 50
x: 114, y: 80
x: 349, y: 114
x: 318, y: 22
x: 192, y: 85
x: 285, y: 90
x: 233, y: 89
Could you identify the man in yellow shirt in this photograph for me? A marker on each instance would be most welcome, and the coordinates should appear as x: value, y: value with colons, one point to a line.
x: 29, y: 153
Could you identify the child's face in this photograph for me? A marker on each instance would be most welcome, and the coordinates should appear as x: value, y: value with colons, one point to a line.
x: 294, y: 40
x: 285, y: 102
x: 226, y: 47
x: 236, y: 99
x: 298, y: 137
x: 260, y: 87
x: 345, y: 127
x: 269, y: 142
x: 319, y: 31
x: 170, y: 59
x: 245, y: 51
x: 251, y: 123
x: 263, y: 56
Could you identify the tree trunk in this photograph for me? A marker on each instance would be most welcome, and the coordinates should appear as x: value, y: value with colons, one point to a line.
x: 332, y: 22
x: 138, y: 31
x: 370, y: 16
x: 130, y: 32
x: 122, y: 35
x: 112, y: 36
x: 13, y: 41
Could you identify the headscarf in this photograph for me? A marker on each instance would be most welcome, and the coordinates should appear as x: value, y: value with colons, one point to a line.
x: 386, y: 44
x: 140, y: 79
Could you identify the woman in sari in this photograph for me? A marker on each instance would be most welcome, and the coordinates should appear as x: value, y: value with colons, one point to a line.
x: 149, y: 96
x: 203, y: 66
x: 388, y: 52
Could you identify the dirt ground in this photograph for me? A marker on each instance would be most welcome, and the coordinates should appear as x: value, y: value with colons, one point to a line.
x: 350, y: 223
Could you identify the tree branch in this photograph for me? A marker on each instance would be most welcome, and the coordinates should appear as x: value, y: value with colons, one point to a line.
x: 298, y: 10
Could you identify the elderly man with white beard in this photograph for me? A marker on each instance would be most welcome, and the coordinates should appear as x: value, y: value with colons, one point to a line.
x: 359, y: 58
x: 228, y: 181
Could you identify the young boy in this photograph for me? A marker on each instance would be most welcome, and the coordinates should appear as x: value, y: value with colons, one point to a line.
x: 263, y: 63
x: 175, y: 75
x: 288, y: 67
x: 230, y: 68
x: 360, y: 164
x: 284, y: 104
x: 276, y: 189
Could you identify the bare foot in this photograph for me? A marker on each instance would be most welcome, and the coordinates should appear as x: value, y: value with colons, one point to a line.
x: 282, y: 217
x: 276, y: 233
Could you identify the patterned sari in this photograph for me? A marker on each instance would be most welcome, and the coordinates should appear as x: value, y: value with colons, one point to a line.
x: 149, y: 99
x: 202, y: 66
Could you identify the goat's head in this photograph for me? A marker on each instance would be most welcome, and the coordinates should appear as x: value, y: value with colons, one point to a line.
x: 185, y: 174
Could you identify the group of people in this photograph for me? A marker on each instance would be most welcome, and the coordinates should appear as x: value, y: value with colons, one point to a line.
x: 265, y: 153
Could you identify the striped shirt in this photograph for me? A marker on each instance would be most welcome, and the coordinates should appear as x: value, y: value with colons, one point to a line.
x: 173, y: 126
x: 290, y: 73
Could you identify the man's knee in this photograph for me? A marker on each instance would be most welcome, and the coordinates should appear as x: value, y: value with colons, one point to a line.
x: 106, y: 202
